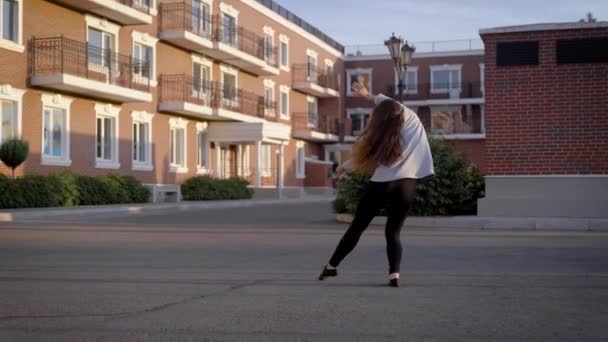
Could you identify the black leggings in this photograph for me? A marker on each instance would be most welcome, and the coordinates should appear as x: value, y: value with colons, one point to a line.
x: 398, y: 196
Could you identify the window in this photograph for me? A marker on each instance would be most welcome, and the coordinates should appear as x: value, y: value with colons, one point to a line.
x: 359, y: 118
x: 300, y: 161
x: 312, y: 68
x: 229, y: 29
x: 178, y: 145
x: 313, y: 112
x: 269, y: 100
x: 8, y: 120
x: 284, y: 101
x: 411, y: 81
x: 202, y: 153
x: 201, y: 17
x: 266, y: 162
x: 143, y: 63
x: 100, y: 46
x: 201, y: 81
x: 445, y: 78
x: 517, y: 54
x: 268, y: 48
x: 229, y: 90
x: 244, y: 157
x: 10, y: 20
x: 363, y: 76
x: 55, y: 130
x: 142, y: 141
x: 106, y: 139
x: 284, y: 55
x: 482, y: 77
x: 457, y: 120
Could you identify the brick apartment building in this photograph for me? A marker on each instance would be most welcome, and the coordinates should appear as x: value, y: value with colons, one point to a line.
x: 546, y: 126
x: 444, y: 85
x: 167, y: 90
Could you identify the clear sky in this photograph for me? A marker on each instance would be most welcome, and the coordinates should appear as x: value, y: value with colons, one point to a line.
x: 353, y: 22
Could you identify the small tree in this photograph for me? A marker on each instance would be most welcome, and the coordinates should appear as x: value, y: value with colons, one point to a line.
x: 589, y: 18
x: 13, y: 153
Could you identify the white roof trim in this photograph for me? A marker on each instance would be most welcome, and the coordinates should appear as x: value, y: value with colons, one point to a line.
x: 417, y: 55
x: 544, y: 27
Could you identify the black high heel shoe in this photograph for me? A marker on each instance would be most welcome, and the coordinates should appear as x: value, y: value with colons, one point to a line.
x: 326, y: 273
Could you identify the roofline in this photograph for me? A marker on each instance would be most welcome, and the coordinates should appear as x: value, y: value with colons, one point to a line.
x: 417, y: 55
x: 544, y: 27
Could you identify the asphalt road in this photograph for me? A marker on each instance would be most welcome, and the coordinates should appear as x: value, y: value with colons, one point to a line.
x: 250, y: 275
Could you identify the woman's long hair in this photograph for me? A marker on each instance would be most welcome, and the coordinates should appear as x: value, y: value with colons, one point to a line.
x: 380, y: 142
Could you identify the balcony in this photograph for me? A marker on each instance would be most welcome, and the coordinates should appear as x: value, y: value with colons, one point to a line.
x: 315, y: 127
x: 125, y: 12
x: 315, y: 82
x: 182, y: 27
x: 181, y: 94
x: 71, y: 66
x: 424, y: 94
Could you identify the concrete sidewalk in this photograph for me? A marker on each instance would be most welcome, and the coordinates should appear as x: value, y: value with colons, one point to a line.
x: 16, y: 215
x: 498, y: 223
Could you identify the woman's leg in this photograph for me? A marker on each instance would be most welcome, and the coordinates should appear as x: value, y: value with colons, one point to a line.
x: 367, y: 209
x: 401, y: 195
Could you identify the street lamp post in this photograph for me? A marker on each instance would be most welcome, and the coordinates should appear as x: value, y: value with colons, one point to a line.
x: 401, y: 53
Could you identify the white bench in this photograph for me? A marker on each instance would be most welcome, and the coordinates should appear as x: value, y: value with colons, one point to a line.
x: 160, y: 193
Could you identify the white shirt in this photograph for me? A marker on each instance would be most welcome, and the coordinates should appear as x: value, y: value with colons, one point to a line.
x: 416, y: 161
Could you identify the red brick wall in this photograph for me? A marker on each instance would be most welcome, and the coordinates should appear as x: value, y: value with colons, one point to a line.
x: 548, y: 118
x: 317, y: 174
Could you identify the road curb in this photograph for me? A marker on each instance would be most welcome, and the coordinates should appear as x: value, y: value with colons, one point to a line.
x: 126, y: 210
x: 497, y: 223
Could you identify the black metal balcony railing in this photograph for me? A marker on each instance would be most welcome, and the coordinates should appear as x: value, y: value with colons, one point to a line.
x: 61, y: 55
x: 311, y: 121
x: 181, y: 17
x: 308, y: 73
x: 184, y: 88
x: 436, y: 91
x: 140, y: 5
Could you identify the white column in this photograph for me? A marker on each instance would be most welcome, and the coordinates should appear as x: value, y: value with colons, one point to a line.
x: 239, y: 160
x: 258, y: 164
x: 281, y: 166
x: 218, y: 160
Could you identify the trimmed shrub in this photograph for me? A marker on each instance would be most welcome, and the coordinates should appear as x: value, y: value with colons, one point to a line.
x: 66, y: 189
x: 454, y: 189
x: 205, y: 188
x: 13, y: 153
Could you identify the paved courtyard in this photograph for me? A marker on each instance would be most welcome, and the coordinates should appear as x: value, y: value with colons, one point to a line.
x: 250, y: 275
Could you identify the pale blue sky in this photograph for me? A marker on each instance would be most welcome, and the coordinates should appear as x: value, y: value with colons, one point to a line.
x: 370, y: 22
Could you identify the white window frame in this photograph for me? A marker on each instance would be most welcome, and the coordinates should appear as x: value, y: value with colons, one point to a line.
x: 269, y: 32
x: 10, y: 94
x: 446, y: 67
x: 149, y: 41
x: 145, y: 118
x: 356, y: 112
x: 244, y: 160
x: 482, y: 78
x: 357, y: 71
x: 179, y: 123
x: 329, y: 64
x: 196, y: 59
x: 57, y: 101
x: 202, y: 128
x: 414, y: 69
x: 105, y: 26
x: 266, y: 163
x: 229, y: 10
x: 283, y: 39
x: 210, y: 4
x: 224, y: 69
x: 103, y: 110
x: 315, y: 56
x: 153, y: 7
x: 300, y: 160
x: 9, y: 44
x: 284, y: 90
x: 269, y: 85
x: 313, y: 100
x: 457, y: 108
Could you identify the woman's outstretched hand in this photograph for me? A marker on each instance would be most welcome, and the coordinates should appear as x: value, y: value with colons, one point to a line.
x: 359, y: 90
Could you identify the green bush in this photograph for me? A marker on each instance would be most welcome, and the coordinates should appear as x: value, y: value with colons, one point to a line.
x: 13, y: 153
x: 205, y: 188
x: 454, y: 189
x: 66, y: 189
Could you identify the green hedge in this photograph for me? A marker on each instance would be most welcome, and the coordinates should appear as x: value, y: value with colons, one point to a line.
x: 67, y: 189
x: 205, y: 188
x: 453, y: 190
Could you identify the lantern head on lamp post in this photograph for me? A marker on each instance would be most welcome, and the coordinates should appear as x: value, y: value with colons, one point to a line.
x: 401, y: 54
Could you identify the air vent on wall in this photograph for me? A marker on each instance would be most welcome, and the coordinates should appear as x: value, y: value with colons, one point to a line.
x: 517, y: 53
x: 588, y: 50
